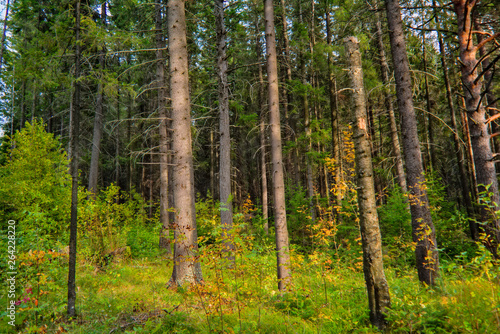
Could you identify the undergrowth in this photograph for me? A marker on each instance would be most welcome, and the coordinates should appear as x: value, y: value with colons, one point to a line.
x: 328, y: 296
x: 122, y: 275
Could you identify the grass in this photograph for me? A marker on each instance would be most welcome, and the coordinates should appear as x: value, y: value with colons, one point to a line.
x: 328, y: 296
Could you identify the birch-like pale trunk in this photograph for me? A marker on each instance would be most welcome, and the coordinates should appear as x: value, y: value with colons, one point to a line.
x: 373, y: 267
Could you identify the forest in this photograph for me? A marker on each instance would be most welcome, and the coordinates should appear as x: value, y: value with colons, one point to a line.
x: 249, y: 166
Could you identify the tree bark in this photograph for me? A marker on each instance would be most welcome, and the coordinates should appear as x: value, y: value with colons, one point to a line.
x: 430, y: 126
x: 164, y: 242
x: 23, y: 105
x: 488, y: 79
x: 225, y: 137
x: 262, y: 134
x: 187, y: 269
x: 4, y: 33
x: 423, y: 231
x: 400, y: 173
x: 307, y: 125
x: 75, y: 118
x: 461, y: 160
x: 282, y: 244
x: 263, y: 168
x: 117, y: 140
x: 307, y: 128
x: 373, y: 268
x: 98, y: 119
x: 478, y: 126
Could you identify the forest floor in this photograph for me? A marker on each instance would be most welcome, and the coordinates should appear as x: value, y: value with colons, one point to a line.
x: 328, y: 296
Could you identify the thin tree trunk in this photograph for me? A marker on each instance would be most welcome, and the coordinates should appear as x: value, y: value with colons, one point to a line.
x: 164, y: 242
x: 151, y: 187
x: 4, y: 33
x: 423, y: 231
x: 287, y: 97
x: 212, y: 164
x: 187, y: 269
x: 308, y: 132
x: 430, y: 126
x: 390, y: 109
x: 129, y: 136
x: 262, y: 136
x: 373, y: 267
x: 263, y: 167
x: 225, y: 137
x: 307, y: 124
x: 117, y: 140
x: 478, y: 126
x: 75, y: 111
x: 282, y: 244
x: 23, y: 104
x: 98, y: 119
x: 33, y: 102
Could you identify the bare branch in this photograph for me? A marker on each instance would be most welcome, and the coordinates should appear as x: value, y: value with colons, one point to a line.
x: 485, y: 41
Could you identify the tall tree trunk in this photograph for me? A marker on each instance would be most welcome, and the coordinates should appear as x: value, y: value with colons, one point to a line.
x: 117, y: 140
x: 373, y: 267
x: 129, y: 137
x: 287, y: 98
x: 423, y: 231
x: 225, y: 137
x: 488, y: 79
x: 262, y: 134
x: 461, y: 160
x: 307, y: 125
x: 478, y: 125
x: 98, y: 118
x: 34, y: 102
x: 23, y: 105
x: 396, y: 147
x: 164, y: 241
x: 334, y: 113
x: 75, y: 113
x: 187, y: 269
x: 307, y: 128
x: 262, y: 137
x: 4, y: 33
x: 282, y: 244
x: 213, y: 189
x: 430, y: 126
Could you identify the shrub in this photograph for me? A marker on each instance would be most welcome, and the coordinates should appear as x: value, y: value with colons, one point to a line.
x: 35, y: 186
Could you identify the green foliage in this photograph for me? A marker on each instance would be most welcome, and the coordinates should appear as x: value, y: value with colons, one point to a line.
x: 452, y: 226
x: 143, y: 240
x: 113, y: 220
x: 296, y: 305
x: 298, y: 214
x: 207, y: 217
x: 395, y: 227
x: 35, y: 186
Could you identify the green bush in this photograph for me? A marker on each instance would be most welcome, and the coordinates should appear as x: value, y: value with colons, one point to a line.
x: 35, y: 188
x: 111, y: 220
